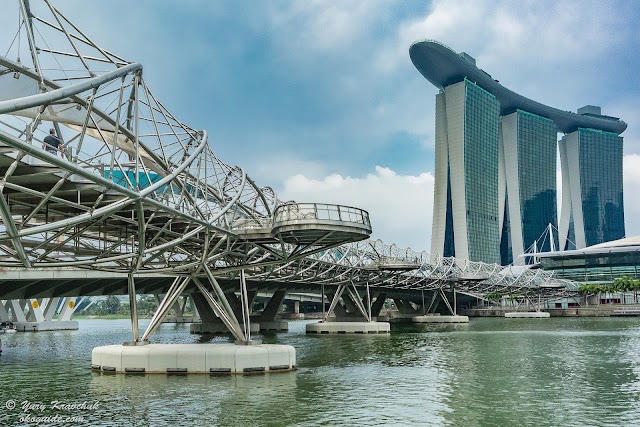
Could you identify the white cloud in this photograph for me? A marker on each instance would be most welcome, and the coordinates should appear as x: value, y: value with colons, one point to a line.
x: 323, y: 25
x: 536, y: 48
x: 279, y: 166
x: 400, y: 206
x: 533, y: 31
x: 554, y: 52
x: 629, y: 110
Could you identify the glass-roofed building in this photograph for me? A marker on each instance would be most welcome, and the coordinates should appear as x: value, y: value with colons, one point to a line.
x: 601, y: 263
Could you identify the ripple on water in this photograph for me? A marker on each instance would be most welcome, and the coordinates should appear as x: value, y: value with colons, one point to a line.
x: 546, y: 372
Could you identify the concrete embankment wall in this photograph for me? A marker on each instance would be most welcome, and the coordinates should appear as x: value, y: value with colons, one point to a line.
x: 591, y: 311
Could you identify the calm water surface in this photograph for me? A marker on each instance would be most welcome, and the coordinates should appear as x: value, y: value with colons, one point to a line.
x: 491, y: 372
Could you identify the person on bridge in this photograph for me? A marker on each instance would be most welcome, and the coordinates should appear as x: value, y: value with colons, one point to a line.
x: 51, y: 143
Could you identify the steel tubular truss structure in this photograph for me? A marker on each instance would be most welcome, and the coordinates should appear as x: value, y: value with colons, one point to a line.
x: 377, y: 264
x: 132, y: 189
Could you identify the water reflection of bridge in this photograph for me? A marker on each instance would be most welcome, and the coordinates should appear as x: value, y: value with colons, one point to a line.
x: 137, y: 201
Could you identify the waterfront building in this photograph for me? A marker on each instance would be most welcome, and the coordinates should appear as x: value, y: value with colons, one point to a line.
x: 529, y: 146
x: 466, y: 193
x: 495, y: 173
x: 592, y: 199
x: 601, y: 263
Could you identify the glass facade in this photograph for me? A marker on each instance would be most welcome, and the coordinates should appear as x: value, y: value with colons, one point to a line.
x: 471, y: 130
x: 595, y: 267
x: 496, y: 167
x: 600, y: 157
x: 449, y: 245
x: 537, y: 150
x: 481, y: 145
x: 506, y: 250
x: 571, y: 235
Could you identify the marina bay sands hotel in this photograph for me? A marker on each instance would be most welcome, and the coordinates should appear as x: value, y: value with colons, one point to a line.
x: 495, y: 174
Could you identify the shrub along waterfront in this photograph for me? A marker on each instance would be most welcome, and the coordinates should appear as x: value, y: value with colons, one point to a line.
x: 620, y: 285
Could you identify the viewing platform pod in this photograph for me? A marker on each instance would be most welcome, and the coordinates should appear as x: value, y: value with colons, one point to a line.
x: 313, y: 224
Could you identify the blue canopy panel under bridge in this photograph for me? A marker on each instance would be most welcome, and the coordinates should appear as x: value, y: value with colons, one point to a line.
x: 128, y: 179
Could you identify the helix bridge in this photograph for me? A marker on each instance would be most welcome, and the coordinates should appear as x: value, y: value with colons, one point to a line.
x: 133, y: 190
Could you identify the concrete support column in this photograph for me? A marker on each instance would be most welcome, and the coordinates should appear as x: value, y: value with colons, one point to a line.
x: 196, y: 313
x: 177, y: 312
x: 177, y: 308
x: 339, y: 310
x: 405, y: 307
x: 17, y: 307
x: 251, y: 297
x: 210, y: 323
x: 4, y: 314
x: 234, y: 302
x: 269, y: 320
x: 378, y: 304
x: 68, y: 307
x: 350, y: 304
x: 35, y: 313
x: 50, y: 309
x: 274, y: 306
x: 204, y: 310
x: 40, y: 315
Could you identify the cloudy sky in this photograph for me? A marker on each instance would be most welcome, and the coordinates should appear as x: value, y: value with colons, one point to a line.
x: 319, y: 99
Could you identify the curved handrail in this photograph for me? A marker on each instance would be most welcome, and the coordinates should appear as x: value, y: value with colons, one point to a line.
x: 320, y: 211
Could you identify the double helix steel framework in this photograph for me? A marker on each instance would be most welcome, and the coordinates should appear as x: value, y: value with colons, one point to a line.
x: 129, y: 188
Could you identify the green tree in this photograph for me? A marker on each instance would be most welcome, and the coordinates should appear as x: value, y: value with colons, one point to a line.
x: 111, y: 304
x: 147, y: 305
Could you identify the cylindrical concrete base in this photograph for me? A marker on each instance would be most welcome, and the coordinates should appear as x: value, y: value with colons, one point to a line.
x: 181, y: 319
x: 217, y: 328
x: 274, y: 325
x: 52, y: 325
x: 527, y: 315
x: 194, y: 358
x: 348, y: 328
x: 440, y: 319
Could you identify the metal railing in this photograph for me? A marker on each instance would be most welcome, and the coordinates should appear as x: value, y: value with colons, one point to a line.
x: 321, y: 211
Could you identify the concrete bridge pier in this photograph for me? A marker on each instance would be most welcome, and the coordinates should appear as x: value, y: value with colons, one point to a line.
x: 39, y: 314
x: 377, y: 305
x: 244, y: 356
x: 430, y: 316
x: 407, y: 310
x: 356, y: 317
x: 210, y: 323
x: 269, y: 318
x: 178, y: 313
x: 349, y: 312
x: 528, y: 303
